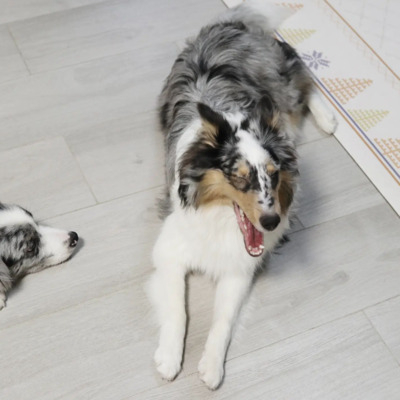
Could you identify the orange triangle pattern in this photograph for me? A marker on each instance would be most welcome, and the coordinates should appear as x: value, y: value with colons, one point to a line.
x: 390, y: 148
x: 346, y: 89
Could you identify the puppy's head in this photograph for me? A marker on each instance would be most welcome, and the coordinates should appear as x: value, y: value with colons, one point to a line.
x: 26, y: 246
x: 248, y: 164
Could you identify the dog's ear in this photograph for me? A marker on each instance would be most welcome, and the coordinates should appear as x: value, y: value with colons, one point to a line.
x: 203, y: 154
x: 216, y: 129
x: 267, y: 113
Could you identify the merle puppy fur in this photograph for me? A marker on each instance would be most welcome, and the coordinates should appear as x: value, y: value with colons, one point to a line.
x: 27, y: 247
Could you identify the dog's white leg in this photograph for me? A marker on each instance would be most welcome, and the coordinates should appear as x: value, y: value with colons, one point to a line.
x: 167, y: 289
x: 324, y: 116
x: 170, y: 287
x: 230, y: 293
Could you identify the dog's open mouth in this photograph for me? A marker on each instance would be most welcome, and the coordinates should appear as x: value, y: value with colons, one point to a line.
x: 253, y: 238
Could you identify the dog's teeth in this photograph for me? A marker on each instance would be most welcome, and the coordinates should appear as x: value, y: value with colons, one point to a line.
x: 261, y: 247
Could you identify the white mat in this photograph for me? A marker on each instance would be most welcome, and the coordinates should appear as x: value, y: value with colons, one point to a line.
x: 358, y: 83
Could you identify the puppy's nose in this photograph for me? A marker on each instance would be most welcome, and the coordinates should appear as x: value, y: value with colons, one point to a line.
x: 73, y: 239
x: 270, y: 221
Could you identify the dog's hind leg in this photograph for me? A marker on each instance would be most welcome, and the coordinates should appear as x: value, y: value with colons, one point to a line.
x: 230, y: 294
x: 167, y: 291
x: 323, y: 115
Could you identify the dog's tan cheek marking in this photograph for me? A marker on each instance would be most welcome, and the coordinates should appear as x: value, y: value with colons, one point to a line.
x: 285, y: 191
x: 215, y: 189
x: 212, y: 189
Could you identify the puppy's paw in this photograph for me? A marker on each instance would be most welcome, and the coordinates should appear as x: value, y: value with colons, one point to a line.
x: 168, y: 362
x: 327, y: 121
x: 211, y: 370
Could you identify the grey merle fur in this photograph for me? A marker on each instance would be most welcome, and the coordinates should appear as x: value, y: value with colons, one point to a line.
x: 23, y: 247
x: 233, y: 65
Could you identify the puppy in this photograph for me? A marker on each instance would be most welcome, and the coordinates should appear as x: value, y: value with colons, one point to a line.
x: 230, y: 110
x: 27, y: 247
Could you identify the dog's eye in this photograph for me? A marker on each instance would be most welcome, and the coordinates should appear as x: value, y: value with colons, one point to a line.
x: 240, y: 182
x: 30, y: 248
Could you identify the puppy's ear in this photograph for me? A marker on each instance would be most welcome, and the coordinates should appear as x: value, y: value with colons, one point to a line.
x: 216, y: 128
x: 267, y: 112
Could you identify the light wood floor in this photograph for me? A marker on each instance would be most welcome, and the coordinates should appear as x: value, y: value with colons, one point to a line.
x: 80, y: 147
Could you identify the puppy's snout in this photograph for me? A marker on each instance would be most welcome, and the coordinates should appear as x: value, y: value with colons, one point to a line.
x: 73, y: 239
x: 270, y: 221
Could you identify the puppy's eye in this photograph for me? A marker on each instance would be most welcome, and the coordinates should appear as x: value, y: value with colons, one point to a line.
x: 30, y: 248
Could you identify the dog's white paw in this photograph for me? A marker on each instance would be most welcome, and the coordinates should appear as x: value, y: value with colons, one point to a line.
x: 211, y: 370
x: 327, y: 121
x: 168, y: 362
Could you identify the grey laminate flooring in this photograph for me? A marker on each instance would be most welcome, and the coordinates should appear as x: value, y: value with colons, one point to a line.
x: 80, y: 147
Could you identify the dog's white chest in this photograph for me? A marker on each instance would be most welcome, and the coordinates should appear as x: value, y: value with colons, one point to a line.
x: 208, y: 240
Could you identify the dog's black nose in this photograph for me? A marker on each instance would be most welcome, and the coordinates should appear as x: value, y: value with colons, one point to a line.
x: 270, y: 221
x: 73, y: 239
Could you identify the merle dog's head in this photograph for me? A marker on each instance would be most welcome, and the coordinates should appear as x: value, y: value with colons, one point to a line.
x: 249, y: 165
x: 26, y: 246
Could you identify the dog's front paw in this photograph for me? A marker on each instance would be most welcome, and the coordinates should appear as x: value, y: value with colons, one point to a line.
x: 211, y: 370
x: 3, y: 298
x: 327, y: 121
x: 168, y: 362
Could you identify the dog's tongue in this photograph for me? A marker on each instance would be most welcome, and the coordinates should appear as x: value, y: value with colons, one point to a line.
x: 253, y: 238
